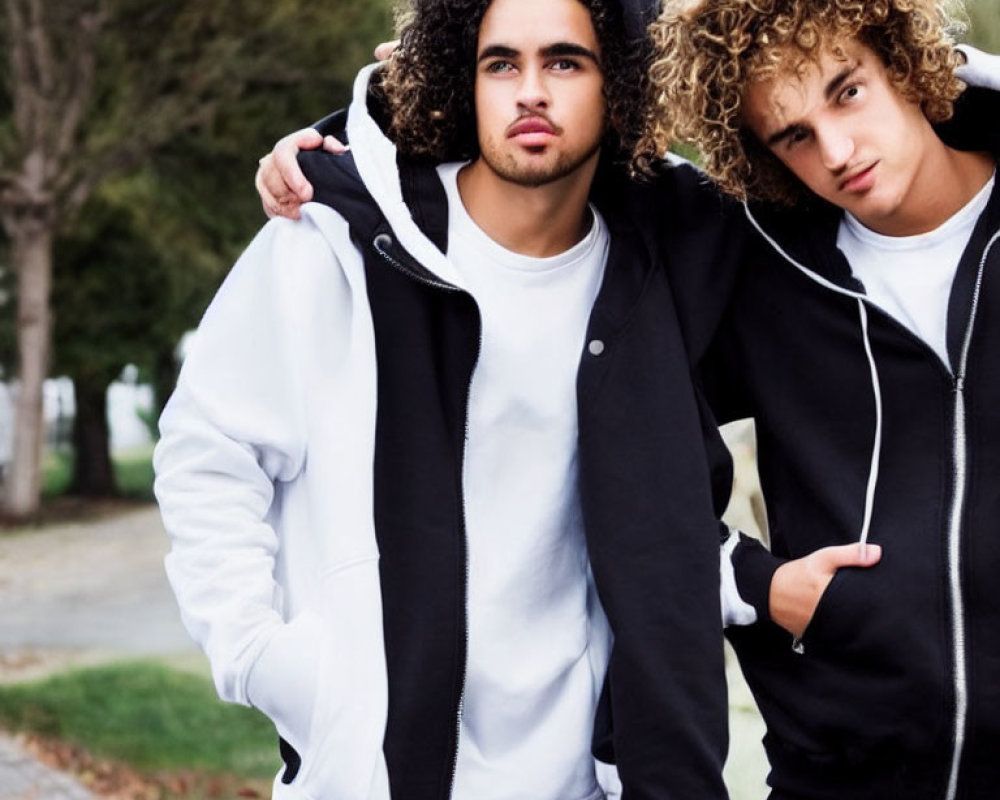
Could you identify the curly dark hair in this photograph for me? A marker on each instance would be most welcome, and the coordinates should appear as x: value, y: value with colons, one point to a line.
x: 429, y: 82
x: 709, y: 51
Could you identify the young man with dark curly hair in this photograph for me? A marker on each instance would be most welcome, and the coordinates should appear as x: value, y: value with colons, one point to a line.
x: 861, y: 337
x: 414, y: 470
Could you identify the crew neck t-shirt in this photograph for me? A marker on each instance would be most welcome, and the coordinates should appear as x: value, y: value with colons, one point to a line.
x: 910, y: 277
x: 537, y: 639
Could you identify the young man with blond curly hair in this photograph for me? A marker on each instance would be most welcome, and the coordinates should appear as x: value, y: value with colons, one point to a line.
x: 862, y: 337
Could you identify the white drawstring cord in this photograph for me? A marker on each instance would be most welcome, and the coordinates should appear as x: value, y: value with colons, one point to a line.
x: 877, y: 445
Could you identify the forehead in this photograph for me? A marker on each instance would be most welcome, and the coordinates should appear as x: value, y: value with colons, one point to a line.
x: 530, y: 25
x: 791, y: 82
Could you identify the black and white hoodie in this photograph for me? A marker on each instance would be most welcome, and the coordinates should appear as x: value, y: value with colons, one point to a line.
x: 310, y: 470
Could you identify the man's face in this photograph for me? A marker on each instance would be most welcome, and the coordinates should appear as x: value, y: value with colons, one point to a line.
x: 540, y: 111
x: 848, y: 134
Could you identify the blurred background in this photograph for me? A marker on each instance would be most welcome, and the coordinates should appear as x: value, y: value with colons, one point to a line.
x: 129, y: 136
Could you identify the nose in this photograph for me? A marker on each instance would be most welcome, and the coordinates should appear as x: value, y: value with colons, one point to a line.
x: 836, y: 146
x: 533, y: 93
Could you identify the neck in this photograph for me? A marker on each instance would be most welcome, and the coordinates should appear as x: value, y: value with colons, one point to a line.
x: 537, y: 221
x: 947, y: 181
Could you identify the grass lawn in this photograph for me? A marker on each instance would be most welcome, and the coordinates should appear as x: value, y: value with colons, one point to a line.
x: 145, y: 715
x: 133, y: 470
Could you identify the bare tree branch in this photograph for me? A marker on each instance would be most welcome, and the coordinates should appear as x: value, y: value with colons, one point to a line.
x: 80, y: 87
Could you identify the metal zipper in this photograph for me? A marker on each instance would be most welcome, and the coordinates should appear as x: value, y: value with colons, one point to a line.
x: 465, y: 536
x: 961, y: 677
x: 381, y: 243
x: 955, y: 588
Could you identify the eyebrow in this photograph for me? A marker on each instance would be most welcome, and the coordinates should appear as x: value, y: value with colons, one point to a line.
x: 829, y: 91
x: 838, y: 80
x: 556, y: 50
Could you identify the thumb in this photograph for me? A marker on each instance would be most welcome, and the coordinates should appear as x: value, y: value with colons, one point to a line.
x: 851, y: 555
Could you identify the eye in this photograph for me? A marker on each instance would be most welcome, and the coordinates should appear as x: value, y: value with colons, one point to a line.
x: 499, y: 67
x: 564, y: 65
x: 795, y: 137
x: 851, y: 94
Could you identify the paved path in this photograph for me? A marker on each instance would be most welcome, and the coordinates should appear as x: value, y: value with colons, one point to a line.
x: 22, y: 777
x: 78, y: 594
x: 83, y: 593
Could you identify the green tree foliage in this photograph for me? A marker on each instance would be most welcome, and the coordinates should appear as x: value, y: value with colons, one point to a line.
x: 148, y: 253
x: 984, y: 28
x: 165, y: 116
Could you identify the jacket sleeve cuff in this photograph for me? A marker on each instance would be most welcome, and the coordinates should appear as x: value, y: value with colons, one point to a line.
x: 735, y: 610
x: 754, y: 567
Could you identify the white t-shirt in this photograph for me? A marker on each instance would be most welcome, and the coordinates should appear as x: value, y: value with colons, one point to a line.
x: 538, y: 640
x: 910, y: 277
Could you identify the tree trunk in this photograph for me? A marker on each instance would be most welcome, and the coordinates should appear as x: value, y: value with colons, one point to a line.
x: 164, y: 380
x: 92, y: 473
x: 31, y: 257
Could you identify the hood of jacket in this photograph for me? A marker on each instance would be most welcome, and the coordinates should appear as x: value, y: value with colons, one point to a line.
x: 376, y: 161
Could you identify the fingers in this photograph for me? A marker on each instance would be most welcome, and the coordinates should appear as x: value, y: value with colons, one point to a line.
x: 830, y: 559
x: 794, y: 594
x: 332, y: 144
x: 385, y: 50
x: 279, y: 181
x: 290, y: 178
x: 797, y: 585
x: 262, y: 182
x: 277, y: 198
x: 303, y: 139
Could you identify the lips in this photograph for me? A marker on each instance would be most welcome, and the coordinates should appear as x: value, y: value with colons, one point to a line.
x: 529, y: 126
x: 860, y: 181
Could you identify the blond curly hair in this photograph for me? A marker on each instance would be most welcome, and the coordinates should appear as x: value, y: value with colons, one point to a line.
x: 709, y: 51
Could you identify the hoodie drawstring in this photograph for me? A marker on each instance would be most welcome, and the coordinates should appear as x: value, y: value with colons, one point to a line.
x: 877, y: 443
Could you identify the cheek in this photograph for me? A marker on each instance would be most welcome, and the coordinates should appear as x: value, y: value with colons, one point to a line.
x: 487, y: 117
x: 593, y: 114
x: 807, y: 169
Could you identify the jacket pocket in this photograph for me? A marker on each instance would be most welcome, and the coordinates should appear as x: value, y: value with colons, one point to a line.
x: 282, y: 683
x: 864, y: 621
x: 847, y: 624
x: 340, y: 747
x: 825, y: 626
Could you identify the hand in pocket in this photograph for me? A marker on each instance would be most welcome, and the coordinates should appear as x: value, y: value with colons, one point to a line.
x: 798, y: 585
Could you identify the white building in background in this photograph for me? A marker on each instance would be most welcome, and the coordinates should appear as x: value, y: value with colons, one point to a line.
x: 126, y: 400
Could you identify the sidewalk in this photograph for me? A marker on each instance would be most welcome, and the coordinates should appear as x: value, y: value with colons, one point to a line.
x: 86, y: 590
x: 73, y: 595
x: 84, y: 593
x: 23, y: 777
